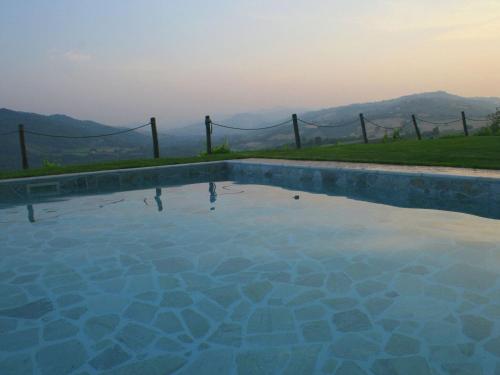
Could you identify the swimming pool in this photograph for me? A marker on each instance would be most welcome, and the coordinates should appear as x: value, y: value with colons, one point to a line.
x: 236, y: 277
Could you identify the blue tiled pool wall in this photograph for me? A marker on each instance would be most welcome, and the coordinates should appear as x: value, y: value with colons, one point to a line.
x: 109, y: 181
x: 479, y: 196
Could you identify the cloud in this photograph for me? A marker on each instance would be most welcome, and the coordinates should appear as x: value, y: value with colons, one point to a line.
x: 76, y: 56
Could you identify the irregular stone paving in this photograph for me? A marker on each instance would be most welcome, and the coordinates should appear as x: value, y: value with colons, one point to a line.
x: 260, y: 284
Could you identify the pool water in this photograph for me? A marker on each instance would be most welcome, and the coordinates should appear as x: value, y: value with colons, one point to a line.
x: 227, y: 278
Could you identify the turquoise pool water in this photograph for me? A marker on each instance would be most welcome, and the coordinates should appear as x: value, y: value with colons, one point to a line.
x: 230, y: 278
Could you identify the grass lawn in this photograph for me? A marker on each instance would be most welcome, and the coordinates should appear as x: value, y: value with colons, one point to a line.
x: 469, y: 152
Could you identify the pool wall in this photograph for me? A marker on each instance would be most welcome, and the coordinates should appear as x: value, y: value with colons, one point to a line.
x: 454, y: 189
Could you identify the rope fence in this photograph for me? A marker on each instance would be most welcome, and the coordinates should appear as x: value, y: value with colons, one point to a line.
x: 87, y: 136
x: 295, y: 121
x: 250, y: 129
x: 438, y: 123
x: 21, y: 131
x: 329, y: 125
x: 382, y: 126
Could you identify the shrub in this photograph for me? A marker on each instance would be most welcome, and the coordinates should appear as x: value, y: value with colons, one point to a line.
x: 48, y: 164
x: 493, y: 128
x: 222, y: 149
x: 396, y: 134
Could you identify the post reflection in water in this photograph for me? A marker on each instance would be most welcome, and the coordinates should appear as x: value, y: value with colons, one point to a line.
x: 31, y: 213
x: 213, y: 194
x: 158, y: 199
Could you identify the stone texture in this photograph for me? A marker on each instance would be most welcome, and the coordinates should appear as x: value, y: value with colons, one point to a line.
x: 401, y: 345
x: 493, y: 346
x: 196, y: 323
x: 476, y: 327
x: 210, y: 362
x: 7, y: 325
x: 19, y: 340
x: 306, y: 297
x: 141, y: 312
x: 354, y: 346
x: 74, y: 313
x: 224, y: 295
x: 350, y: 368
x: 369, y: 287
x: 466, y: 276
x: 316, y: 331
x: 261, y: 362
x: 352, y: 321
x: 313, y: 312
x: 109, y: 358
x: 228, y: 334
x: 173, y: 265
x: 361, y: 271
x: 61, y: 358
x: 463, y: 368
x: 176, y: 299
x: 169, y: 345
x: 160, y: 365
x: 32, y: 310
x: 59, y: 329
x: 270, y: 319
x: 273, y: 340
x: 377, y: 305
x: 339, y: 304
x: 99, y: 326
x: 19, y: 364
x: 303, y: 360
x: 232, y: 265
x: 168, y: 323
x: 416, y: 270
x: 311, y: 279
x: 401, y: 366
x: 338, y: 283
x: 135, y: 337
x: 258, y: 290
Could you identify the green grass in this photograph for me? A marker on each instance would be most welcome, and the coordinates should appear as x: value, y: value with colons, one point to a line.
x: 470, y: 152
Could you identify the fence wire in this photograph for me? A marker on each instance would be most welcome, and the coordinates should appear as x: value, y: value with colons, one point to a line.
x: 382, y: 126
x: 86, y: 136
x: 250, y: 129
x: 438, y: 123
x: 329, y: 125
x: 484, y: 119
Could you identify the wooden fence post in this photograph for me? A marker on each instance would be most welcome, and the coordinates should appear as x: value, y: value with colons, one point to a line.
x: 363, y: 127
x: 156, y: 149
x: 22, y: 143
x: 464, y: 122
x: 296, y: 130
x: 417, y: 130
x: 208, y: 127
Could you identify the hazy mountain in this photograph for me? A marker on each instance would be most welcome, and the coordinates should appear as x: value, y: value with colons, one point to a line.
x: 435, y: 106
x: 61, y: 150
x: 244, y: 120
x: 190, y: 140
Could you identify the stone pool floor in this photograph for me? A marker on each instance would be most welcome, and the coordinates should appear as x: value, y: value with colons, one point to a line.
x: 248, y: 281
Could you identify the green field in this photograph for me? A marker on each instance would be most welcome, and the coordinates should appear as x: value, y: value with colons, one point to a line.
x: 468, y: 152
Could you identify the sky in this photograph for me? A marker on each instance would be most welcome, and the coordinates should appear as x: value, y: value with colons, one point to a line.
x: 122, y: 61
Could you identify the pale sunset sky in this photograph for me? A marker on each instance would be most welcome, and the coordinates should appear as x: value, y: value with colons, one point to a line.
x: 121, y: 61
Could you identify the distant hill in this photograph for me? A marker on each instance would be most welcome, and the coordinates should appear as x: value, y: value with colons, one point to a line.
x: 65, y: 151
x: 190, y: 140
x: 434, y: 106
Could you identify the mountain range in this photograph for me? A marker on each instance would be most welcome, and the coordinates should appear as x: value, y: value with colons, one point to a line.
x: 190, y: 140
